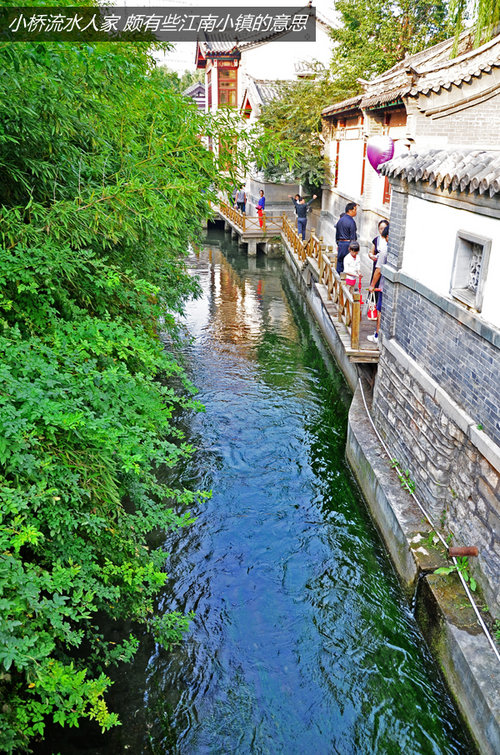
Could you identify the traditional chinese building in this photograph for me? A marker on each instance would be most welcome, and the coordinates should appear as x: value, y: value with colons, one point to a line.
x: 196, y: 92
x: 230, y: 67
x: 425, y: 100
x: 246, y: 76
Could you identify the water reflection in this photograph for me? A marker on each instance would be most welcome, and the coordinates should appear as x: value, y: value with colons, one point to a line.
x: 302, y: 641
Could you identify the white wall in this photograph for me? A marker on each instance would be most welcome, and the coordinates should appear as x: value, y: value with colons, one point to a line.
x: 429, y: 250
x: 350, y: 167
x: 377, y: 181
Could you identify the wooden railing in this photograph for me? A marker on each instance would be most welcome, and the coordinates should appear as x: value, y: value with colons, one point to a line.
x: 289, y: 232
x: 247, y: 224
x: 236, y: 217
x: 347, y: 300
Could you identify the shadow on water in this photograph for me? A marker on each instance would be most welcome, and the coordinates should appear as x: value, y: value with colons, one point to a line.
x: 302, y: 642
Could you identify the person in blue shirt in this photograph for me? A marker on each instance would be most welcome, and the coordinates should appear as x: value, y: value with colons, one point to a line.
x: 301, y: 207
x: 345, y: 232
x: 261, y: 204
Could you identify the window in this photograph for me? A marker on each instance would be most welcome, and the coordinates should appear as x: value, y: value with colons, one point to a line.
x: 209, y: 89
x: 386, y: 198
x: 228, y: 83
x: 469, y: 269
x: 363, y: 170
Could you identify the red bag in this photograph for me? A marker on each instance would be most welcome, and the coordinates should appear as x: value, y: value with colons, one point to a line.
x: 372, y: 313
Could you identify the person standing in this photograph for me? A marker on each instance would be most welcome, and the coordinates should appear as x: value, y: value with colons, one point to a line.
x: 301, y: 207
x: 352, y: 265
x: 345, y: 232
x: 241, y: 199
x: 261, y: 204
x: 378, y: 281
x: 374, y: 251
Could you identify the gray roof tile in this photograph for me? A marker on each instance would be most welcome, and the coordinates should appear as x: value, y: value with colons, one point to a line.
x: 465, y: 169
x: 428, y: 71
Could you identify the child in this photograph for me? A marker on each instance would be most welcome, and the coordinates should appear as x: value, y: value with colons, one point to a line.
x: 352, y: 264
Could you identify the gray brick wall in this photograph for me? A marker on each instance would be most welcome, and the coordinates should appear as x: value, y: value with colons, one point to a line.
x: 459, y: 488
x: 458, y: 359
x: 397, y: 230
x: 472, y: 125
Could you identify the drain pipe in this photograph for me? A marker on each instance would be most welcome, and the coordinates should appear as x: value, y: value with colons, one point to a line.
x: 443, y: 541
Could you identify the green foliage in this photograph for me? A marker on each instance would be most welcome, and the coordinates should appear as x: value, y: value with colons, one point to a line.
x: 103, y: 181
x: 496, y: 629
x: 431, y: 539
x: 404, y: 476
x: 483, y: 14
x: 461, y: 567
x: 177, y: 83
x: 239, y: 146
x: 375, y: 35
x: 171, y: 627
x: 295, y: 117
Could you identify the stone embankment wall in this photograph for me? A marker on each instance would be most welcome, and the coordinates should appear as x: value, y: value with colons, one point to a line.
x: 429, y: 435
x: 437, y: 393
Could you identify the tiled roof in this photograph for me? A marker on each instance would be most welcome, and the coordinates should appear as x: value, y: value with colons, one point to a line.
x: 226, y: 43
x: 426, y: 71
x: 260, y: 92
x: 267, y: 89
x: 221, y: 47
x: 197, y: 87
x: 459, y: 170
x: 339, y: 107
x: 461, y: 69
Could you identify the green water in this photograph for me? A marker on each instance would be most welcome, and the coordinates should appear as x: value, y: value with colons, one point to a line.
x: 303, y: 643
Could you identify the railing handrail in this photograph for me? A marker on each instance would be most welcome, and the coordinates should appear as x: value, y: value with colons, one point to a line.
x: 348, y: 301
x: 245, y: 222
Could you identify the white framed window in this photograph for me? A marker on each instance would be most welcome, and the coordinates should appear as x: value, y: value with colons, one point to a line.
x: 470, y: 267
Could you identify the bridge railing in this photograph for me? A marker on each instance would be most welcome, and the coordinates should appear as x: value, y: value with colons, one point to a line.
x: 247, y: 224
x: 236, y: 217
x: 348, y: 300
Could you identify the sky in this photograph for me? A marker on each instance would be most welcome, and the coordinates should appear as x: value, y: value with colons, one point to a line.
x: 182, y: 58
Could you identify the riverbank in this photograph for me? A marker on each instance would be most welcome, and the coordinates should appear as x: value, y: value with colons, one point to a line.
x: 446, y: 619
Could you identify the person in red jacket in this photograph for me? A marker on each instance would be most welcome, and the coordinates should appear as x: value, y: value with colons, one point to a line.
x: 261, y: 204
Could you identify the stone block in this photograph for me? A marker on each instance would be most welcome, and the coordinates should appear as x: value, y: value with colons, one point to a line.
x: 491, y: 475
x: 481, y: 509
x: 456, y: 433
x: 494, y: 521
x: 486, y: 446
x: 488, y: 494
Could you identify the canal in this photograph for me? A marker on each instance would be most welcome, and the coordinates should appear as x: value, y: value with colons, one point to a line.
x: 303, y: 643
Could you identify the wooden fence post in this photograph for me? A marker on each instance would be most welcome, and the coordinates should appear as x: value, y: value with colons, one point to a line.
x: 356, y: 318
x: 340, y: 304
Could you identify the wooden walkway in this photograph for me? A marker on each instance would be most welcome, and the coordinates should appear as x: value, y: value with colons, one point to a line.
x: 342, y: 305
x: 249, y: 229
